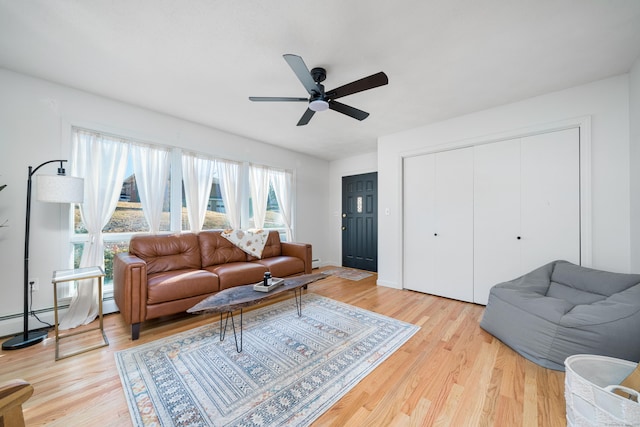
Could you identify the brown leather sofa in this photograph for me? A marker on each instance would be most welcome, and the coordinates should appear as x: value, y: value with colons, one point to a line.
x: 167, y: 274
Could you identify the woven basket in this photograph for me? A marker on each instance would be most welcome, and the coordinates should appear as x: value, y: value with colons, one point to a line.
x: 587, y: 393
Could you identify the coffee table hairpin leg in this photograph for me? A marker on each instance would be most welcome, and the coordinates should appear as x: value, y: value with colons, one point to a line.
x: 223, y: 330
x: 298, y: 295
x: 233, y: 325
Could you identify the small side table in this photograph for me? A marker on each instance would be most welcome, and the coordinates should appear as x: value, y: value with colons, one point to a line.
x: 60, y: 276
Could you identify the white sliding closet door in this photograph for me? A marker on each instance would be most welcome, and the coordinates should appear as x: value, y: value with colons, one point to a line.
x: 526, y: 207
x: 454, y: 225
x: 550, y: 198
x: 475, y: 217
x: 419, y: 222
x: 496, y: 215
x: 438, y: 224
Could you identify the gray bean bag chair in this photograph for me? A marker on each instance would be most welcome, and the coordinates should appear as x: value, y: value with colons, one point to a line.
x: 561, y: 309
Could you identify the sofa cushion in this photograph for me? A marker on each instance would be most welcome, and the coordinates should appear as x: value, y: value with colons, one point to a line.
x: 238, y: 273
x: 167, y: 252
x: 282, y: 266
x: 178, y: 284
x: 215, y: 249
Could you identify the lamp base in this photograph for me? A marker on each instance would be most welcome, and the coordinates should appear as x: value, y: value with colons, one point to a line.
x: 18, y: 341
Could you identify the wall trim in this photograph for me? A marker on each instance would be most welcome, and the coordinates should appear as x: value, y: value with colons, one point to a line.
x: 12, y: 324
x: 388, y: 284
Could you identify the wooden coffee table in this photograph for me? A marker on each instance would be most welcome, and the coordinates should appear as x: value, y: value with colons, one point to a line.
x: 237, y: 298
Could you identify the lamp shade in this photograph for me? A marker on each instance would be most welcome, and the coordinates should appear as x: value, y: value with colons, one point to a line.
x: 59, y: 189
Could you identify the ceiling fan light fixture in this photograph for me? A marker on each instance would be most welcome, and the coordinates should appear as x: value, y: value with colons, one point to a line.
x: 319, y: 99
x: 318, y: 105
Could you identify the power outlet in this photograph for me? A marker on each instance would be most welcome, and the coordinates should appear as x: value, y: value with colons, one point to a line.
x: 35, y: 284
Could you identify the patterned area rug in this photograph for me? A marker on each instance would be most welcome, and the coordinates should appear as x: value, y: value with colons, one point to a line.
x: 291, y: 370
x: 347, y: 273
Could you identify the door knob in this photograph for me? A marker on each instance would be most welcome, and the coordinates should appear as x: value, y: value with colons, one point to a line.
x: 344, y: 215
x: 344, y: 228
x: 435, y: 234
x: 518, y: 237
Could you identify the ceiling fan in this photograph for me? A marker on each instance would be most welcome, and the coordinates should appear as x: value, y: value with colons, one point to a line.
x: 319, y: 100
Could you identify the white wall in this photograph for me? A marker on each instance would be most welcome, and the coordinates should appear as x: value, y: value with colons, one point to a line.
x: 356, y: 165
x: 606, y: 101
x: 634, y: 131
x: 35, y: 117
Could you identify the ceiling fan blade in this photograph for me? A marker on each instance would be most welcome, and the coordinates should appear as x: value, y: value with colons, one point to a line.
x: 348, y: 110
x: 300, y: 69
x: 365, y: 83
x: 306, y: 117
x: 277, y: 98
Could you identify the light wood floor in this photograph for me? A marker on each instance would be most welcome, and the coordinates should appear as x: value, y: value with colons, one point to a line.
x: 451, y: 373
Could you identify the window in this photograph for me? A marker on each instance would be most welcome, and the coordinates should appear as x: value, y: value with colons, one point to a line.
x: 127, y: 188
x: 135, y: 182
x: 270, y: 204
x: 128, y: 216
x: 273, y: 218
x: 215, y: 216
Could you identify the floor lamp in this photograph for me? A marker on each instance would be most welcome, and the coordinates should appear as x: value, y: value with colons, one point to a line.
x: 55, y: 189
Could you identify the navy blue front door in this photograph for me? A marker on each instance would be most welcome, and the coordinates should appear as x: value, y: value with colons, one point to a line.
x: 360, y: 221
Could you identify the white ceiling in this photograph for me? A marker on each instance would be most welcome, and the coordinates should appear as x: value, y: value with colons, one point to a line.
x: 200, y: 59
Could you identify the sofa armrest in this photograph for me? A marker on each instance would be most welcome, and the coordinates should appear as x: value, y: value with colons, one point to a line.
x: 130, y: 287
x: 298, y: 250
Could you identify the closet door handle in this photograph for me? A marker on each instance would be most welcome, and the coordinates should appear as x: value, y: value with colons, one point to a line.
x: 518, y: 237
x: 435, y: 234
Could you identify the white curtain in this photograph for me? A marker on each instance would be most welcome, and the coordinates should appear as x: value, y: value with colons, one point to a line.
x: 197, y: 174
x: 282, y: 183
x: 151, y: 169
x: 259, y: 183
x: 101, y: 161
x: 230, y: 188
